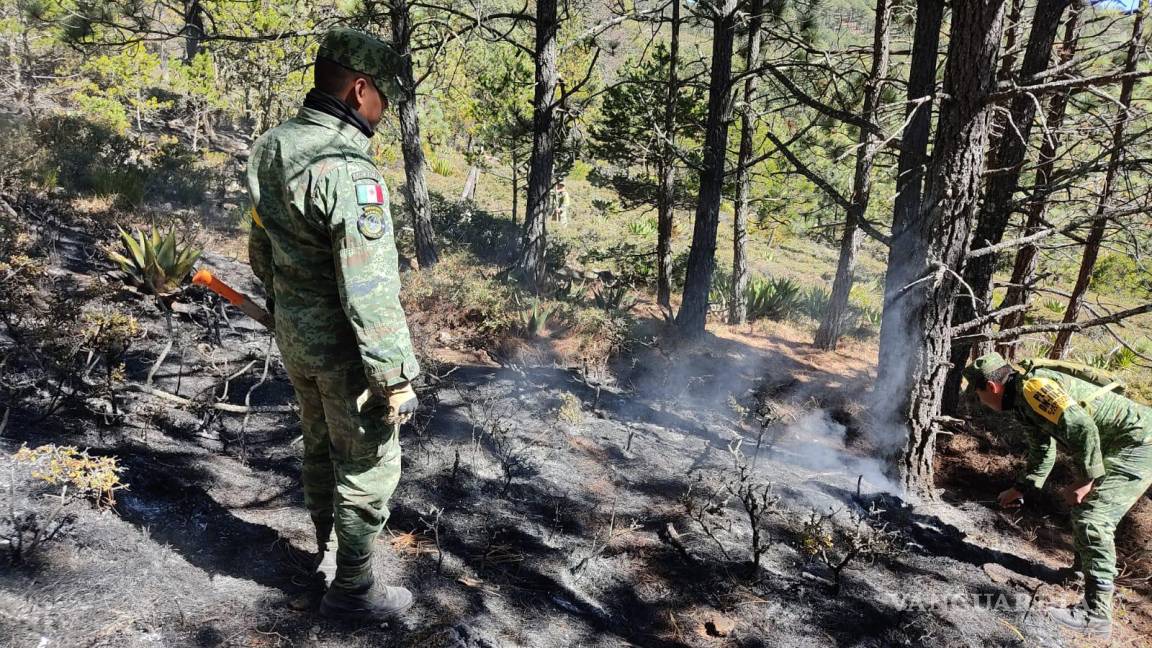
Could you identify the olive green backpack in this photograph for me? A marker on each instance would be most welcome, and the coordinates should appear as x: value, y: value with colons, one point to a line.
x: 1105, y: 380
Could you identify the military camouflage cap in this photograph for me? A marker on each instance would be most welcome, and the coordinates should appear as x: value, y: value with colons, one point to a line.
x: 984, y: 367
x: 365, y: 54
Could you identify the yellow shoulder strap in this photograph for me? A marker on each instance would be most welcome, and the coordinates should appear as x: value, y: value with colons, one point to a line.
x: 256, y: 219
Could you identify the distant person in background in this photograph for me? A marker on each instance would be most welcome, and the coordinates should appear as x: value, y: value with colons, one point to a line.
x: 562, y: 203
x: 322, y: 244
x: 1110, y: 440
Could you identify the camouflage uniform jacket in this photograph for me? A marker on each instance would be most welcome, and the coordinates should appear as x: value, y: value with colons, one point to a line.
x: 1061, y: 410
x: 322, y: 243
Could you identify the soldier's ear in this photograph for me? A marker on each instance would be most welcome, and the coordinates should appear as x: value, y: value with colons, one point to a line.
x: 995, y: 387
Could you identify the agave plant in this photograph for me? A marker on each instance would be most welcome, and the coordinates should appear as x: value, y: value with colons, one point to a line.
x: 614, y: 298
x: 774, y: 299
x: 157, y: 264
x: 642, y: 228
x: 534, y: 321
x: 814, y: 301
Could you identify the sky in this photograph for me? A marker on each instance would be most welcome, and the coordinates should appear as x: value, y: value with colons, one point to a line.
x: 1121, y: 4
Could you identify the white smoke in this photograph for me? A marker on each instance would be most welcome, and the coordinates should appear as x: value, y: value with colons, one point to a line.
x: 816, y: 442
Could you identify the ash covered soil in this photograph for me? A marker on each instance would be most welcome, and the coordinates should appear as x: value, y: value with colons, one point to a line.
x: 538, y: 507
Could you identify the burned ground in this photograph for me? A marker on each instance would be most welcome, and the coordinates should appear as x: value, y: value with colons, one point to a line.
x: 539, y: 506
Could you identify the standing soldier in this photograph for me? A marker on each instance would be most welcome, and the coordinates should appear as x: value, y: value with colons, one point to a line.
x: 322, y: 244
x: 1110, y: 440
x: 561, y: 204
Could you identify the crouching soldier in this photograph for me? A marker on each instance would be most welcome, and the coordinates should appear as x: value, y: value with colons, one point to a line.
x: 1109, y: 438
x: 322, y: 244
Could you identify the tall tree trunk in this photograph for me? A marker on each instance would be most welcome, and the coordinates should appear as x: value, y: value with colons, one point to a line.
x: 416, y: 185
x: 702, y: 257
x: 912, y: 373
x: 1013, y: 25
x: 737, y: 309
x: 1027, y: 257
x: 666, y: 202
x: 831, y: 325
x: 1007, y: 160
x: 193, y: 28
x: 910, y: 177
x: 534, y: 235
x: 1100, y: 222
x: 515, y: 190
x: 469, y: 192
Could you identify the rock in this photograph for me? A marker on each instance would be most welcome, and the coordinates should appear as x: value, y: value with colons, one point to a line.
x: 101, y: 406
x: 719, y: 626
x: 1001, y: 575
x: 182, y: 308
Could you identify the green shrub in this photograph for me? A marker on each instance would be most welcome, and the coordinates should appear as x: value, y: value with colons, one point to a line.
x: 579, y: 170
x: 863, y: 321
x: 536, y: 319
x: 773, y: 299
x: 440, y: 166
x: 157, y: 264
x: 92, y: 157
x: 1115, y: 272
x: 614, y: 298
x: 642, y: 228
x: 603, y: 208
x: 1116, y: 359
x: 814, y: 301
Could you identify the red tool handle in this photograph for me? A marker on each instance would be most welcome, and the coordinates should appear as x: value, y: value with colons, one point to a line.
x: 205, y: 278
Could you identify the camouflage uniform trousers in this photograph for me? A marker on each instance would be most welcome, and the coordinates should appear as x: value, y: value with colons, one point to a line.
x: 351, y: 466
x: 1128, y: 474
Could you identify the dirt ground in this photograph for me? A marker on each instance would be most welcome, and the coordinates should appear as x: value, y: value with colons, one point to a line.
x: 539, y: 507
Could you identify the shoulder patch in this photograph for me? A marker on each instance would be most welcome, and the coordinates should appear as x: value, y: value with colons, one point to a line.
x: 364, y: 173
x: 373, y: 222
x: 1046, y: 398
x: 370, y: 194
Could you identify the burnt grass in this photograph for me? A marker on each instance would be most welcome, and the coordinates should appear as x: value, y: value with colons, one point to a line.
x: 519, y: 521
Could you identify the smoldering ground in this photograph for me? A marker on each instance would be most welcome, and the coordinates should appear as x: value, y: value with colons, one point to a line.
x: 538, y: 507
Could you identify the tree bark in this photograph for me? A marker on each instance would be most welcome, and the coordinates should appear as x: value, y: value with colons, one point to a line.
x: 193, y: 29
x: 910, y: 174
x: 469, y: 192
x: 1027, y: 257
x: 832, y: 323
x: 1100, y: 224
x: 912, y: 371
x: 666, y: 202
x: 515, y: 190
x: 996, y: 213
x: 693, y: 313
x: 1013, y: 24
x: 534, y: 234
x: 416, y: 185
x: 737, y: 309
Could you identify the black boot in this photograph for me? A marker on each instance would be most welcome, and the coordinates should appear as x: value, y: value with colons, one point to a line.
x: 1080, y: 619
x: 376, y: 604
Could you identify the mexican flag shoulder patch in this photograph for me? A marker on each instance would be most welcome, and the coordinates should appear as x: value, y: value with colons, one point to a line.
x: 370, y: 194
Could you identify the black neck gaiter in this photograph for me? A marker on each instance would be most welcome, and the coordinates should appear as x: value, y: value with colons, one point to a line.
x: 1010, y: 392
x: 319, y: 100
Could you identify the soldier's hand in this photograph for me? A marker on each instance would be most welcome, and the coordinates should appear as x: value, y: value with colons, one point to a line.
x: 1011, y: 498
x: 402, y: 403
x: 1075, y: 494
